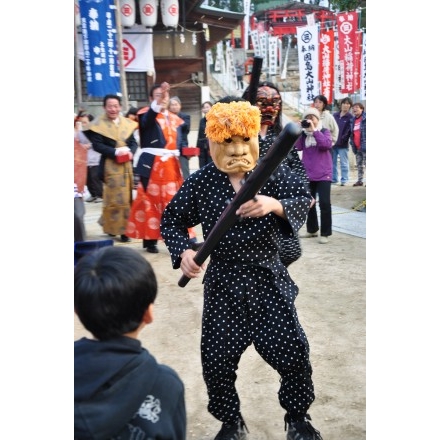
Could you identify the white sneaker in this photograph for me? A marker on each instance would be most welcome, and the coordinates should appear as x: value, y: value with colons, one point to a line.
x: 309, y: 235
x: 323, y: 240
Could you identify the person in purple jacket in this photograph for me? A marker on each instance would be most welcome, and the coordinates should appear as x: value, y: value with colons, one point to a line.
x: 316, y: 145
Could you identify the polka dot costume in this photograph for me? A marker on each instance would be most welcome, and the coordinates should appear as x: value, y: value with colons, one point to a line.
x: 248, y: 293
x: 290, y: 248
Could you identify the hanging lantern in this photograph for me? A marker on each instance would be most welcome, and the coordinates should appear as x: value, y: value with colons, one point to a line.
x: 170, y: 12
x: 128, y: 13
x: 148, y: 12
x: 77, y: 14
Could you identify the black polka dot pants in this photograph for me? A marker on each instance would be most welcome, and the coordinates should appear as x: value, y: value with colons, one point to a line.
x: 251, y: 305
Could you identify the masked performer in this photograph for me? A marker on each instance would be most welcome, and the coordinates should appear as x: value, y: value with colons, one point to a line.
x: 248, y: 292
x: 271, y: 107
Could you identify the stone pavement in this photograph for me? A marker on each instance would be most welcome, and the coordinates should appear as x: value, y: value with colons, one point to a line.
x: 349, y: 221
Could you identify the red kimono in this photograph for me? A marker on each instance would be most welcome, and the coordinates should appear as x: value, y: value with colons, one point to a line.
x: 164, y: 181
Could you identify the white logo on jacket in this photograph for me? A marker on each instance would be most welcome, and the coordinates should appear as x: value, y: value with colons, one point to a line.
x: 150, y: 409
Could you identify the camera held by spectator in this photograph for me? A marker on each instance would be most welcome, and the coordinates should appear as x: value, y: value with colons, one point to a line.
x: 305, y: 123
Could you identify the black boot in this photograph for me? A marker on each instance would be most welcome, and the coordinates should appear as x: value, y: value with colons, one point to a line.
x: 234, y: 431
x: 301, y: 429
x: 150, y: 246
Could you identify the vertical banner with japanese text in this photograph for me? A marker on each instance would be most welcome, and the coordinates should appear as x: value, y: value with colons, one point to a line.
x: 364, y: 68
x: 273, y: 55
x: 255, y: 42
x: 357, y: 61
x: 339, y: 75
x: 99, y: 37
x: 308, y: 60
x: 263, y: 40
x: 326, y: 63
x: 209, y: 59
x: 230, y: 69
x: 245, y: 36
x: 219, y: 65
x: 347, y: 23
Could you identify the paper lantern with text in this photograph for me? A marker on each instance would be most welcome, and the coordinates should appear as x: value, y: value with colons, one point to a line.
x: 170, y: 12
x: 128, y: 13
x: 148, y: 9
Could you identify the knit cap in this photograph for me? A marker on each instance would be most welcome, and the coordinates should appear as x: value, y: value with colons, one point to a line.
x: 312, y: 111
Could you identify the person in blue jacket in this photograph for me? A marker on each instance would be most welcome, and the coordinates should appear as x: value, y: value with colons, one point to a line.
x: 344, y: 119
x: 121, y: 392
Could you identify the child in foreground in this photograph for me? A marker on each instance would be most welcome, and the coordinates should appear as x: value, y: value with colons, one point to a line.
x: 121, y: 392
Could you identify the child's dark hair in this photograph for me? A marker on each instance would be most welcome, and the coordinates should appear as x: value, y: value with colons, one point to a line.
x: 113, y: 288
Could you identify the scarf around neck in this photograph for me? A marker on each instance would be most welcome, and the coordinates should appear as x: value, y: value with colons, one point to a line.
x: 310, y: 138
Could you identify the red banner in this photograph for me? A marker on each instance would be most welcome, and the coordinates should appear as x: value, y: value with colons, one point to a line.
x: 326, y: 63
x: 347, y: 44
x: 357, y: 60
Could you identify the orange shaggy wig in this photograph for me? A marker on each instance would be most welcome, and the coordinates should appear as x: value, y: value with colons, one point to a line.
x: 237, y: 118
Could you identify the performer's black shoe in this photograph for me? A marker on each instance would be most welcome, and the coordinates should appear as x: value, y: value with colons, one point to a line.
x: 302, y: 430
x: 235, y: 431
x: 152, y: 249
x: 125, y: 239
